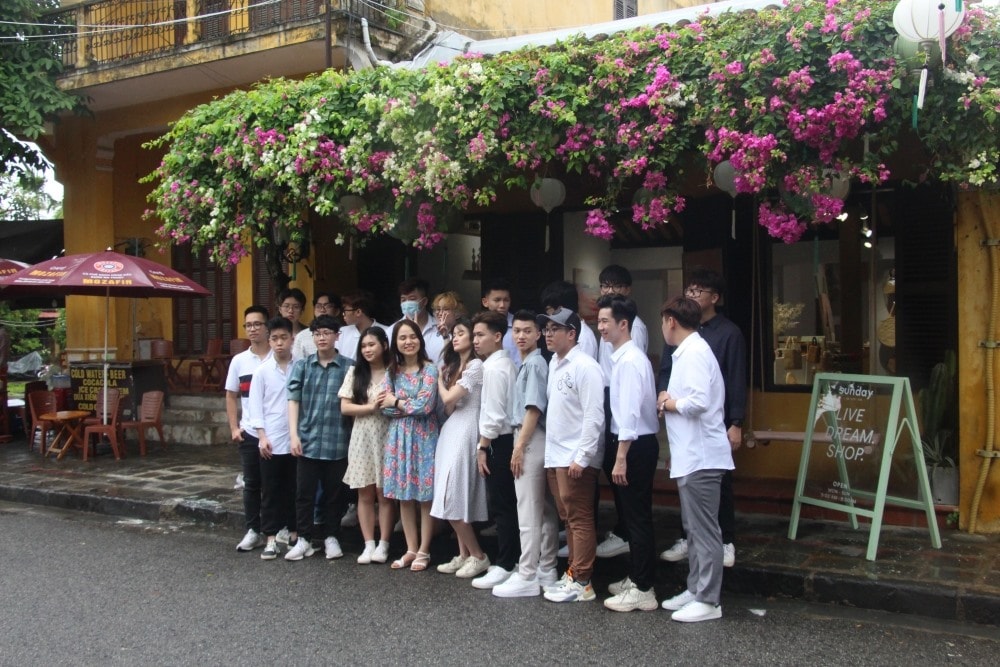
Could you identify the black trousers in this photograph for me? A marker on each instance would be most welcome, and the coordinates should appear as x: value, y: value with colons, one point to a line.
x: 503, y: 501
x: 310, y: 474
x: 727, y: 510
x: 607, y: 465
x: 250, y: 464
x: 635, y: 505
x: 278, y: 493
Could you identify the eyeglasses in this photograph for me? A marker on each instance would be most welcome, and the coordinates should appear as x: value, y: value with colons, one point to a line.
x: 695, y: 292
x: 551, y: 331
x: 323, y: 333
x: 612, y: 286
x: 290, y: 306
x: 347, y: 309
x: 322, y: 304
x: 252, y: 325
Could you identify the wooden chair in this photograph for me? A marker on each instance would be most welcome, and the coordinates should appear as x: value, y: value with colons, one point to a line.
x: 39, y: 403
x: 237, y: 345
x: 212, y: 365
x: 150, y: 416
x: 106, y: 422
x: 163, y: 350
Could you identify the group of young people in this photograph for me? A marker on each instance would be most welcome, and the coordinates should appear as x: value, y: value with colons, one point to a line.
x: 463, y: 420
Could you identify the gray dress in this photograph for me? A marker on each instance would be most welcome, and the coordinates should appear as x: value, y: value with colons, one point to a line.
x: 459, y: 491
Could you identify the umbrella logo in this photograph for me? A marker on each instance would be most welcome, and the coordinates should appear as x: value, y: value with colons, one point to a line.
x: 108, y: 266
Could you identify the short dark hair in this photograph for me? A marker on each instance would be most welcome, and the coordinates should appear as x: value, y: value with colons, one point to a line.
x: 496, y: 322
x: 334, y: 299
x: 615, y: 274
x: 622, y: 308
x: 326, y: 322
x: 278, y: 323
x: 686, y: 311
x: 294, y: 293
x: 366, y: 305
x: 525, y: 315
x: 707, y: 278
x: 561, y: 294
x: 261, y: 310
x: 496, y: 284
x: 411, y: 284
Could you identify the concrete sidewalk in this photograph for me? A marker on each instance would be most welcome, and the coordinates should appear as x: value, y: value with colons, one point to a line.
x: 826, y: 563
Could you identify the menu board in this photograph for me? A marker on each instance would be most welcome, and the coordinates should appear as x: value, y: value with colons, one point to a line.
x: 87, y: 382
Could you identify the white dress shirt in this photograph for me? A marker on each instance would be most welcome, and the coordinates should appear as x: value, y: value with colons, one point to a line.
x: 605, y: 350
x: 269, y: 404
x: 575, y: 418
x: 499, y: 375
x: 696, y: 430
x: 350, y: 336
x: 303, y: 344
x: 633, y: 393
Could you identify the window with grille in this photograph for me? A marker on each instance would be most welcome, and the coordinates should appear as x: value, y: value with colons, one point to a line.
x: 626, y: 9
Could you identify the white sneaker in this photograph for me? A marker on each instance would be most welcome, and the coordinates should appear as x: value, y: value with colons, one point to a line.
x: 350, y: 519
x: 332, y: 548
x: 632, y: 599
x: 473, y: 567
x: 619, y: 587
x: 270, y: 552
x: 563, y: 551
x: 697, y: 611
x: 517, y: 586
x: 495, y: 575
x: 381, y: 553
x: 677, y: 552
x: 452, y: 566
x: 728, y: 555
x: 252, y: 540
x: 562, y: 535
x: 547, y: 577
x: 283, y: 537
x: 302, y: 549
x: 558, y: 583
x: 678, y: 601
x: 612, y: 546
x: 366, y: 555
x: 572, y: 591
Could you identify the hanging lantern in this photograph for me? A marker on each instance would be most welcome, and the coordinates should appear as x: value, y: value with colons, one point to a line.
x: 724, y: 177
x: 548, y: 193
x: 927, y: 20
x: 350, y: 203
x: 840, y: 186
x: 405, y: 228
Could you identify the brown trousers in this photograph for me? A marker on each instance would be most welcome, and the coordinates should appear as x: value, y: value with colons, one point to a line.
x: 575, y: 503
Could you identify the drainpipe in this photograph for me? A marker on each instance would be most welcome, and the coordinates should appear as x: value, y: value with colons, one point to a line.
x: 329, y: 35
x: 368, y: 46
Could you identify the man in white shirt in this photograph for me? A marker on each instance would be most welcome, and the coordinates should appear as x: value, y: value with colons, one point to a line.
x: 359, y: 315
x: 574, y: 448
x: 496, y: 443
x: 268, y: 407
x: 700, y: 453
x: 238, y: 415
x: 324, y: 303
x: 413, y: 304
x: 496, y: 297
x: 615, y: 280
x: 633, y: 449
x: 563, y: 294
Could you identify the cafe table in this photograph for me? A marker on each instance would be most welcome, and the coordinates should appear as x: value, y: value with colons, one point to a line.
x: 68, y: 422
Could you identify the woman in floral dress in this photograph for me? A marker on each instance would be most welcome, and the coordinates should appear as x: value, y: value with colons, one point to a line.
x: 359, y: 399
x: 409, y: 397
x: 459, y: 490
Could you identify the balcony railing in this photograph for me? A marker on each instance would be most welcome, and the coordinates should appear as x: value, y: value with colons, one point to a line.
x: 119, y: 31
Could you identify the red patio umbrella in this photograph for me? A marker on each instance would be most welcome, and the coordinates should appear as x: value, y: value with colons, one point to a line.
x: 9, y: 267
x: 104, y: 274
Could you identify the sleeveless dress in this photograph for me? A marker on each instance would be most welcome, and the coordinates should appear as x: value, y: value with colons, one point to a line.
x: 459, y: 490
x: 408, y: 464
x: 367, y: 448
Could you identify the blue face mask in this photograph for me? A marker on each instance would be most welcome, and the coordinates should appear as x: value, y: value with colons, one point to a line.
x: 410, y: 309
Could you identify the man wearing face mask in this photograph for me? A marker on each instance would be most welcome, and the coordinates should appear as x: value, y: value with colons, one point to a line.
x: 413, y: 304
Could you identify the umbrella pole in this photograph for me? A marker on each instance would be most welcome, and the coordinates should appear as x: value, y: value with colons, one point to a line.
x: 107, y: 322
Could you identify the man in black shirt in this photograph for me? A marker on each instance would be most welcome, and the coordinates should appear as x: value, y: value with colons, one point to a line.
x: 726, y: 340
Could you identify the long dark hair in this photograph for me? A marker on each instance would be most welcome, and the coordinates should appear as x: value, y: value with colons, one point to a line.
x: 363, y: 369
x: 396, y: 358
x: 453, y: 360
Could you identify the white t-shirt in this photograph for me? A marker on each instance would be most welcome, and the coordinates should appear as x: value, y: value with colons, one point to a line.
x: 241, y: 370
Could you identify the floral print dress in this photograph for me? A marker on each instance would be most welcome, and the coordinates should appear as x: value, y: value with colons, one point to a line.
x: 408, y: 465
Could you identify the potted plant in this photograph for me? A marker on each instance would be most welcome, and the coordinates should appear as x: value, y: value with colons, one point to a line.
x: 937, y: 431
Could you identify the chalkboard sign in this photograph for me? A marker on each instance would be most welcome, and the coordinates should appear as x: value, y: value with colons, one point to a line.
x: 131, y: 379
x: 861, y: 451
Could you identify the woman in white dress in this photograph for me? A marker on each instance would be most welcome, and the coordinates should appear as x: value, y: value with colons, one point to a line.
x: 359, y: 399
x: 459, y: 490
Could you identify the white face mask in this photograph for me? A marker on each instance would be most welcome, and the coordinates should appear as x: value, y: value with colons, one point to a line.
x: 410, y: 309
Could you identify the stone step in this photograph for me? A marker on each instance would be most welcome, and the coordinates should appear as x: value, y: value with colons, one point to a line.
x: 196, y: 433
x: 199, y: 401
x: 196, y: 419
x: 209, y: 416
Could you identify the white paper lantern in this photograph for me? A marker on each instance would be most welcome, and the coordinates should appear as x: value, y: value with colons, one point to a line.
x: 920, y: 20
x: 840, y: 186
x: 724, y: 177
x: 350, y: 203
x: 548, y: 193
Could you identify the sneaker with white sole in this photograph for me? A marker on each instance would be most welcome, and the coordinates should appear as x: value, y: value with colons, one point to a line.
x: 547, y: 577
x: 283, y: 537
x: 452, y: 566
x: 558, y: 583
x: 563, y: 551
x: 381, y: 553
x: 619, y: 587
x: 495, y: 575
x: 473, y: 567
x: 612, y: 546
x: 366, y: 555
x: 350, y: 519
x: 728, y: 555
x: 301, y: 549
x: 632, y: 599
x: 572, y: 591
x: 678, y: 601
x: 697, y: 611
x: 270, y: 552
x: 252, y: 540
x: 517, y: 586
x: 332, y: 548
x: 677, y: 552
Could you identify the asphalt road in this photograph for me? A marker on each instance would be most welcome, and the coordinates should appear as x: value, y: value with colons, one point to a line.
x: 82, y: 589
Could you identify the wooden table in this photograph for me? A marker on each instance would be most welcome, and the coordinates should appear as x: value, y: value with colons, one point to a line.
x: 69, y: 435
